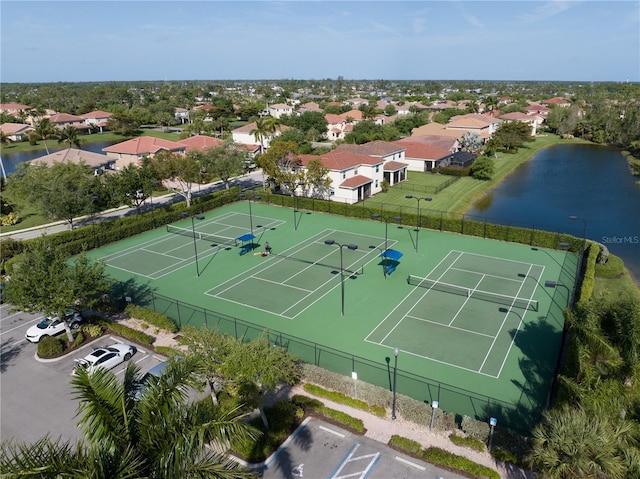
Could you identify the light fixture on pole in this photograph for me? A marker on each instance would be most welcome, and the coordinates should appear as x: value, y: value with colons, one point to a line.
x: 253, y: 198
x: 351, y: 247
x: 492, y: 422
x: 94, y: 198
x: 396, y: 351
x: 418, y: 217
x: 184, y: 214
x: 584, y: 243
x: 434, y: 406
x: 397, y: 219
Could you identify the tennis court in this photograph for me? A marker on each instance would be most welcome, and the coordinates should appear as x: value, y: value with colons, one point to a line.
x: 473, y: 301
x: 463, y: 311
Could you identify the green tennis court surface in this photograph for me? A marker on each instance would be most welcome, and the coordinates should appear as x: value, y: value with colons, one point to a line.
x: 467, y: 313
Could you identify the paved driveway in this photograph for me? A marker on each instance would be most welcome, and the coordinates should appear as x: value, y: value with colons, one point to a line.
x: 35, y: 396
x: 322, y: 450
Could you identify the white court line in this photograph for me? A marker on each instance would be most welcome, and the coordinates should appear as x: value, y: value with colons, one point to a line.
x: 466, y: 301
x: 424, y: 320
x: 490, y: 275
x: 496, y: 258
x: 504, y: 321
x: 410, y: 293
x: 283, y: 284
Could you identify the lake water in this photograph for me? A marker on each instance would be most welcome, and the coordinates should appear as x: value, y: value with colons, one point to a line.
x: 587, y: 181
x: 11, y: 160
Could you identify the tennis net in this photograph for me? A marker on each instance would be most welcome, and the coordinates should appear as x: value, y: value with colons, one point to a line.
x: 521, y: 303
x: 217, y: 240
x: 316, y: 263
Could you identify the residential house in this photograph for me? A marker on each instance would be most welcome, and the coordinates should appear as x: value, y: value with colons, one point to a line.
x: 181, y: 115
x: 421, y: 156
x: 531, y: 120
x: 279, y: 110
x: 537, y: 109
x: 556, y: 101
x: 14, y: 109
x: 99, y: 163
x: 392, y: 155
x: 134, y: 150
x: 62, y: 120
x: 339, y: 125
x: 16, y: 131
x: 354, y: 176
x: 310, y: 106
x: 484, y: 125
x: 98, y: 118
x: 200, y: 142
x: 243, y: 135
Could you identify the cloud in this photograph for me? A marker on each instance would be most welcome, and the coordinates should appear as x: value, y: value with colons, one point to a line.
x: 471, y: 19
x: 547, y: 10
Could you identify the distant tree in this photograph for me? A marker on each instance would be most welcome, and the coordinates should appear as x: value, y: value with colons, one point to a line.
x: 45, y: 130
x: 123, y: 123
x: 42, y: 280
x: 271, y: 162
x: 224, y: 161
x: 315, y: 178
x: 62, y: 191
x: 511, y: 135
x: 390, y: 110
x: 69, y: 135
x: 483, y: 168
x: 406, y: 123
x: 444, y: 116
x: 182, y: 170
x: 132, y: 185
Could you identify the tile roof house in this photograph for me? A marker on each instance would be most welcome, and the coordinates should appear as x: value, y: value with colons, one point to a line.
x: 97, y: 117
x: 339, y: 125
x: 556, y: 101
x: 354, y: 177
x: 13, y: 109
x: 483, y: 125
x: 393, y: 155
x: 536, y: 109
x: 99, y: 163
x: 244, y: 136
x: 200, y: 142
x: 134, y: 150
x: 421, y: 156
x: 61, y: 120
x: 16, y: 131
x: 279, y: 109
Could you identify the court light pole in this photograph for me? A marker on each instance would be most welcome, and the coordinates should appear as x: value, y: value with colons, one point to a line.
x: 254, y: 198
x: 351, y: 247
x: 94, y: 198
x: 426, y: 198
x: 386, y: 220
x: 396, y: 351
x: 184, y: 214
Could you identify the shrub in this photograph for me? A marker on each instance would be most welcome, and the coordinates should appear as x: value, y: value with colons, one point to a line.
x: 128, y: 333
x: 10, y: 219
x: 50, y: 346
x: 469, y: 442
x: 506, y: 456
x: 440, y: 457
x: 150, y: 316
x: 313, y: 406
x: 93, y: 330
x: 613, y: 268
x: 476, y: 429
x: 404, y: 444
x: 344, y: 399
x: 78, y: 339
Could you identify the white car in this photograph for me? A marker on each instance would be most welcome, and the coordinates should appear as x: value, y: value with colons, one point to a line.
x: 106, y: 357
x: 51, y: 326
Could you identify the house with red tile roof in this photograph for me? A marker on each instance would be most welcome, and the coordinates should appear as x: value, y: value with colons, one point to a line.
x: 483, y: 125
x: 62, y: 120
x: 279, y: 109
x: 98, y: 118
x: 422, y: 156
x: 393, y: 155
x: 243, y: 135
x: 99, y: 163
x: 339, y: 125
x: 537, y: 109
x: 200, y: 142
x: 16, y: 131
x: 354, y: 176
x: 556, y: 101
x: 134, y: 150
x: 14, y: 109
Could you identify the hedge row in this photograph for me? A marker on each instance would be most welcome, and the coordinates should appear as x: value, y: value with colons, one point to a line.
x: 344, y: 399
x: 313, y: 406
x: 589, y: 272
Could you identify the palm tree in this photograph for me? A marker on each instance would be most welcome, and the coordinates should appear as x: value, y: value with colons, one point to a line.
x: 570, y: 443
x: 260, y: 132
x: 134, y: 431
x: 45, y: 130
x: 69, y: 135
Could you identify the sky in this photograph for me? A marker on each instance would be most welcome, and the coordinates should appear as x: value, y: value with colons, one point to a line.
x: 78, y: 41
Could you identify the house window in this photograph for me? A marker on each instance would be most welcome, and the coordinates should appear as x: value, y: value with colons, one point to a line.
x: 344, y: 175
x: 355, y: 172
x: 332, y: 192
x: 377, y: 169
x: 376, y: 183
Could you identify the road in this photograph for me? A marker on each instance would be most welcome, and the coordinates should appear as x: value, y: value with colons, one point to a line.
x: 253, y: 179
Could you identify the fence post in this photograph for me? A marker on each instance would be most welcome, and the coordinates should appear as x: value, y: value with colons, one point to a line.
x: 178, y: 311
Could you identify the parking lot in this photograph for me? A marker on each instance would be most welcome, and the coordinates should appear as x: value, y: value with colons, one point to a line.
x: 36, y: 398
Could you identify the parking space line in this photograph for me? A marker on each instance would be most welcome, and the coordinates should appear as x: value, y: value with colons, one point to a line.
x: 21, y: 326
x: 331, y: 431
x: 409, y: 463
